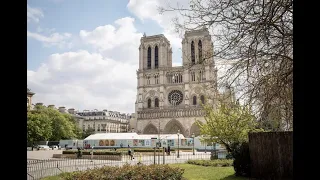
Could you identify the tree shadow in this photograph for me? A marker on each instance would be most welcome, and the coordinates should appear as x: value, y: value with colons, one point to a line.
x: 234, y: 177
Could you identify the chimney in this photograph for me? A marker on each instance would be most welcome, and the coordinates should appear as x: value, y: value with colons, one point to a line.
x: 39, y: 104
x: 51, y: 106
x: 71, y: 111
x: 62, y: 109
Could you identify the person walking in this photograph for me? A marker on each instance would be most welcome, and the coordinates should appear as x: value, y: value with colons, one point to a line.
x: 130, y: 153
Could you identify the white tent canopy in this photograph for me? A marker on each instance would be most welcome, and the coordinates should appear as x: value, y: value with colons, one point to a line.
x: 131, y: 136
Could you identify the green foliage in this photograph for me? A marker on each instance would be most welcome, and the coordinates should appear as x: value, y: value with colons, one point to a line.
x: 49, y: 124
x: 38, y: 126
x: 87, y: 132
x: 214, y: 163
x: 228, y: 124
x: 241, y: 157
x: 137, y: 172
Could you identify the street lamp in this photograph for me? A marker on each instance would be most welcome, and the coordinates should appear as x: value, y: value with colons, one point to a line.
x: 193, y: 143
x: 178, y: 142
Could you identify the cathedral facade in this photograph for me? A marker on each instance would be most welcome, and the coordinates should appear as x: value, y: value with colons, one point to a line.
x: 169, y: 98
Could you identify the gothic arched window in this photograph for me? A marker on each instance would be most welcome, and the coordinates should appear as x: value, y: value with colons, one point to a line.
x: 156, y: 102
x: 193, y: 59
x: 200, y: 51
x: 194, y: 100
x: 202, y: 99
x: 149, y: 103
x: 156, y: 58
x: 149, y: 58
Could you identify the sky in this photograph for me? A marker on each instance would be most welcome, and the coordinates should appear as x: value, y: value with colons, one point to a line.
x: 83, y: 54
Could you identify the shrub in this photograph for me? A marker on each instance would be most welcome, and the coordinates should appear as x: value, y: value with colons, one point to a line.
x: 241, y: 162
x: 229, y: 156
x: 215, y: 163
x: 137, y: 172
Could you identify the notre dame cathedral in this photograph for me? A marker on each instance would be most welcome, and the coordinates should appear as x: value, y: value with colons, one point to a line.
x: 169, y: 97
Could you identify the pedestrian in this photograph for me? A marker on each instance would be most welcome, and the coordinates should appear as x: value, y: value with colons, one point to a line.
x: 130, y: 153
x: 169, y: 150
x: 79, y: 153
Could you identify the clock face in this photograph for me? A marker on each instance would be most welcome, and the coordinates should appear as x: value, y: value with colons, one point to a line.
x: 175, y: 97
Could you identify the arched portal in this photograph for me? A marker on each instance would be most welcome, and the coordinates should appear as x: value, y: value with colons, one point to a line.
x: 150, y: 129
x: 195, y: 129
x: 173, y: 126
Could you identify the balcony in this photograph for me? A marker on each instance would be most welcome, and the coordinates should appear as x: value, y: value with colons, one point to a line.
x: 171, y: 112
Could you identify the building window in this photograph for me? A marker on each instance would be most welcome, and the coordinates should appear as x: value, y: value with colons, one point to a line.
x: 202, y: 99
x: 193, y: 59
x: 156, y: 102
x: 156, y: 77
x: 149, y: 103
x: 193, y: 76
x: 156, y: 60
x: 200, y: 51
x: 83, y: 127
x: 149, y: 58
x: 194, y: 100
x: 148, y: 80
x: 201, y: 75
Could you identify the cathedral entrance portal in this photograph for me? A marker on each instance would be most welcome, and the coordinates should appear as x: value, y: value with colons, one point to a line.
x: 173, y: 126
x: 195, y: 129
x: 150, y: 129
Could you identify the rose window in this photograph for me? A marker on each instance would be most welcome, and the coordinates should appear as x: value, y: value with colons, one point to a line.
x: 175, y: 97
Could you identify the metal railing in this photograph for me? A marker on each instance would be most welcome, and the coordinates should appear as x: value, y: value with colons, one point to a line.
x: 37, y: 169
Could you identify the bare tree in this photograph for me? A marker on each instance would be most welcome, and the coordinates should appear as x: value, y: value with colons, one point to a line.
x: 258, y: 34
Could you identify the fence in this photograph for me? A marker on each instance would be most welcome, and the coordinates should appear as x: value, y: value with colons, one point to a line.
x: 37, y: 169
x: 271, y: 155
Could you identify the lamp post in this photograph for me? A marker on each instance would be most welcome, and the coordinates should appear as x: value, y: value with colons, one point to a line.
x: 193, y: 143
x: 205, y: 143
x: 178, y: 142
x: 205, y: 147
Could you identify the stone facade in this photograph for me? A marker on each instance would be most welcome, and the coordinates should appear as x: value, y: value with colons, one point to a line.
x: 29, y: 98
x: 170, y: 97
x: 102, y: 121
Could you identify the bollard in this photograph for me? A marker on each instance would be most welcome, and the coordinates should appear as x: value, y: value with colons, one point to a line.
x: 159, y: 155
x: 92, y: 154
x: 163, y: 155
x: 154, y: 156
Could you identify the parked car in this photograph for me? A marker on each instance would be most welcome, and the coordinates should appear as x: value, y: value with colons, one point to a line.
x: 54, y: 147
x: 43, y: 147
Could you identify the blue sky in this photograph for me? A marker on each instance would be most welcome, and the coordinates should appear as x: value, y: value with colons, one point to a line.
x: 83, y: 54
x: 73, y: 15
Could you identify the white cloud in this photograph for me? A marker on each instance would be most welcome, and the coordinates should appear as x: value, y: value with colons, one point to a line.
x: 148, y: 10
x: 54, y: 39
x: 105, y: 79
x: 118, y: 42
x: 84, y: 80
x: 34, y: 14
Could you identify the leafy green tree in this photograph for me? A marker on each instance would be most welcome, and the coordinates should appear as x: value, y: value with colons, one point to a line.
x: 87, y: 132
x: 228, y: 124
x: 38, y: 126
x: 56, y: 125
